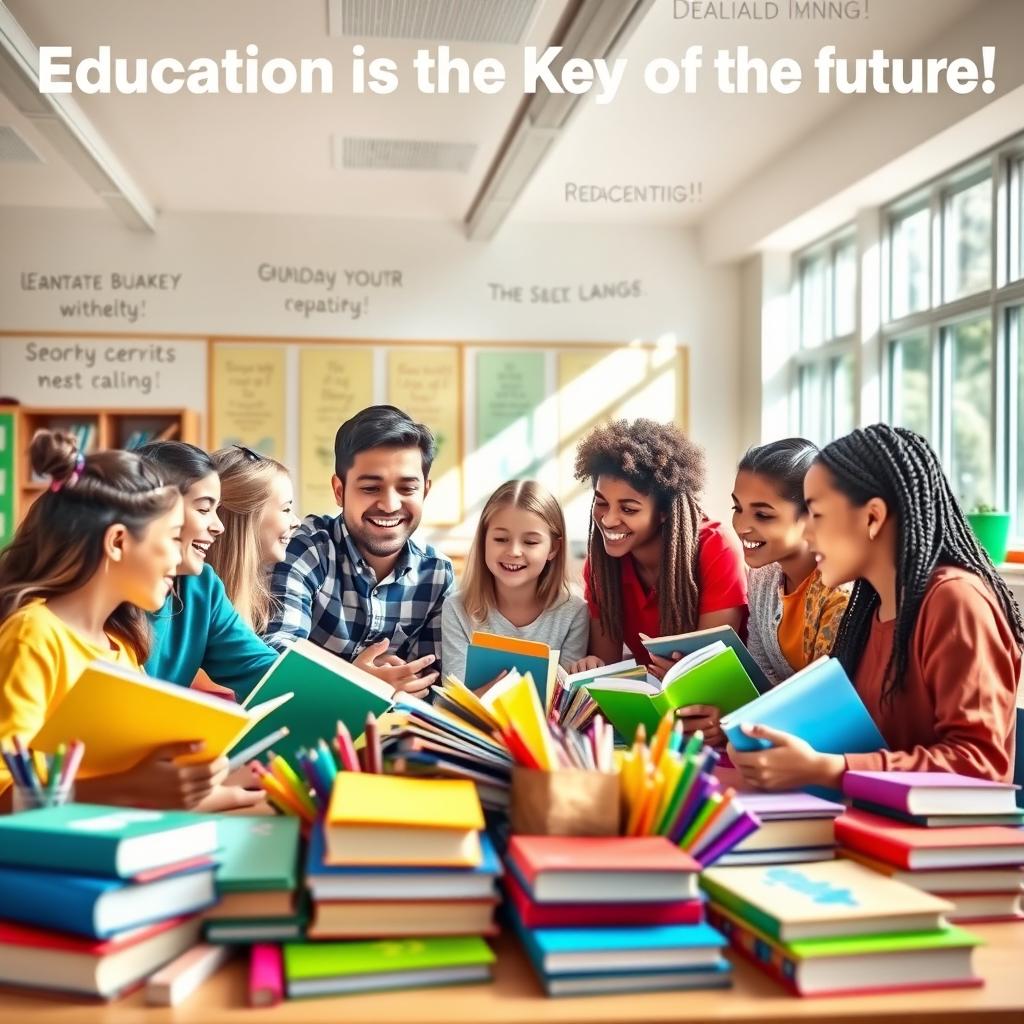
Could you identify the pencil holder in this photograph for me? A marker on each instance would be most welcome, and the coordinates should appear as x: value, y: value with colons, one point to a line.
x: 30, y: 798
x: 564, y: 803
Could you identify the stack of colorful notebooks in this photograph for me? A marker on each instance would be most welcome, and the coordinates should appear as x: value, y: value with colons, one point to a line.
x: 946, y: 834
x: 611, y: 914
x: 402, y: 860
x: 837, y: 928
x: 95, y: 899
x: 257, y: 882
x: 795, y: 828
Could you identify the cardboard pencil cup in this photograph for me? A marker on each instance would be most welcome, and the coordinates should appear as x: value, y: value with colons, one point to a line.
x: 567, y: 802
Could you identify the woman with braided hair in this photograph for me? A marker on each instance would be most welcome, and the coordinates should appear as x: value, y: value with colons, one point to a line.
x: 932, y: 635
x: 656, y: 565
x: 95, y: 552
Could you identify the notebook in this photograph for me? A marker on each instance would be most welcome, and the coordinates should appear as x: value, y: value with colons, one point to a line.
x: 711, y: 675
x: 257, y: 853
x: 817, y: 900
x: 392, y: 819
x: 159, y: 713
x: 489, y: 655
x: 686, y: 643
x: 931, y: 793
x: 335, y: 968
x: 326, y: 689
x: 117, y: 842
x: 796, y: 706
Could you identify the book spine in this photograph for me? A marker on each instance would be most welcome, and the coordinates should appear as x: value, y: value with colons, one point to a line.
x: 48, y: 901
x: 266, y: 976
x: 84, y: 854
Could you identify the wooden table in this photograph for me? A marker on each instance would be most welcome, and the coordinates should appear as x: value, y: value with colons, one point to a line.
x: 516, y: 998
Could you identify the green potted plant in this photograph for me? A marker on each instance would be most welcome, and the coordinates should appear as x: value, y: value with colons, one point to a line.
x: 992, y: 528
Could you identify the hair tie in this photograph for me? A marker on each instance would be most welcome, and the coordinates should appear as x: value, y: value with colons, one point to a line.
x: 73, y: 477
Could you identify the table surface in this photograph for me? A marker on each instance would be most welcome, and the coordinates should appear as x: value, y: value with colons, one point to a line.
x: 516, y: 998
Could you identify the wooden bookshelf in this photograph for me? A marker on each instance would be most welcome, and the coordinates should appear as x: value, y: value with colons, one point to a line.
x: 99, y: 428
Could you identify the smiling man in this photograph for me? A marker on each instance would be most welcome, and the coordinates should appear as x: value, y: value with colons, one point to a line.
x: 357, y: 584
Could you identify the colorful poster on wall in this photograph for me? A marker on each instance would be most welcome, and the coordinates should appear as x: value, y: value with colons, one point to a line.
x: 596, y: 385
x: 514, y: 421
x: 424, y: 382
x: 247, y: 397
x: 334, y: 384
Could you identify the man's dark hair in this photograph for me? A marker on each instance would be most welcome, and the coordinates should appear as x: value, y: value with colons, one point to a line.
x: 381, y: 426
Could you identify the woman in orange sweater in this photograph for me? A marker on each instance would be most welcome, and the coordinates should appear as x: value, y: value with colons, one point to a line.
x: 932, y: 635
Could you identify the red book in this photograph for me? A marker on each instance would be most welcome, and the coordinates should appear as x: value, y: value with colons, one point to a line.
x: 598, y: 915
x: 911, y: 847
x: 603, y: 869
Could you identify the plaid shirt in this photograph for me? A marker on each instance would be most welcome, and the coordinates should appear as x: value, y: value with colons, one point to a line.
x: 326, y: 591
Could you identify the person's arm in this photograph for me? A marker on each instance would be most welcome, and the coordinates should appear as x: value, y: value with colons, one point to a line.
x: 429, y: 639
x: 235, y: 656
x: 293, y: 584
x: 27, y: 687
x: 454, y: 641
x: 574, y: 647
x: 734, y: 617
x: 968, y: 665
x: 722, y: 579
x: 602, y: 649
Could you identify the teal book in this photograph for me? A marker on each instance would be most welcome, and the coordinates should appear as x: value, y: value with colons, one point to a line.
x: 711, y: 675
x: 327, y: 690
x: 687, y: 643
x: 257, y: 853
x: 111, y: 842
x: 818, y: 704
x: 489, y: 656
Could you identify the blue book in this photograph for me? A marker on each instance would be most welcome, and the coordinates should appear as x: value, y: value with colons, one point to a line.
x: 100, y: 907
x: 117, y: 842
x: 711, y: 976
x: 559, y: 951
x: 489, y: 655
x: 342, y: 882
x: 818, y: 704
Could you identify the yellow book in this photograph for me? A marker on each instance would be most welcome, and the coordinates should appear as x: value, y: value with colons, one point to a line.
x: 122, y: 716
x: 518, y: 705
x: 397, y: 820
x: 460, y: 694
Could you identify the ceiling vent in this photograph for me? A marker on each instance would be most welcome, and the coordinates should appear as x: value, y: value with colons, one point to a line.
x: 14, y: 149
x: 442, y: 21
x: 362, y: 154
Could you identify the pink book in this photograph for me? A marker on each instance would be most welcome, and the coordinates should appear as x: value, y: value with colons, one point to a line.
x: 931, y: 792
x: 266, y: 979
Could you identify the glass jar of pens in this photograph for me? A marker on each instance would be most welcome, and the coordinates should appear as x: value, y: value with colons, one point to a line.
x: 41, y: 780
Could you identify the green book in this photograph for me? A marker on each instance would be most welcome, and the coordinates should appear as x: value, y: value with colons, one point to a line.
x: 114, y: 842
x: 327, y: 690
x: 336, y: 967
x: 710, y: 675
x: 257, y: 854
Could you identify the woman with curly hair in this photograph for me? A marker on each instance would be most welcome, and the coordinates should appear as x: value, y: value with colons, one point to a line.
x: 656, y: 565
x: 932, y: 635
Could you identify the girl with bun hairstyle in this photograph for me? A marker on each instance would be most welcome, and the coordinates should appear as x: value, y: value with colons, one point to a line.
x: 95, y: 552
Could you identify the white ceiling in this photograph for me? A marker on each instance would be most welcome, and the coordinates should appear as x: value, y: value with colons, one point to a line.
x: 273, y: 154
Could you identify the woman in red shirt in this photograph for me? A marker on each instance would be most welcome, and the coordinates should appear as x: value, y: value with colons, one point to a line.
x: 656, y: 565
x: 932, y: 635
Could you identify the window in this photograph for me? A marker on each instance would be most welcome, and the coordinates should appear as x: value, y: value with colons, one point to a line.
x: 967, y: 240
x: 910, y: 263
x: 1015, y: 323
x: 825, y: 364
x: 910, y: 382
x: 971, y: 434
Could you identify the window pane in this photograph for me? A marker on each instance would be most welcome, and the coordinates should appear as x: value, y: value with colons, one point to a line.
x: 1017, y: 338
x: 910, y: 396
x: 843, y: 396
x: 972, y: 477
x: 968, y: 241
x: 812, y: 302
x: 909, y: 276
x: 810, y: 403
x: 1020, y: 225
x: 845, y: 277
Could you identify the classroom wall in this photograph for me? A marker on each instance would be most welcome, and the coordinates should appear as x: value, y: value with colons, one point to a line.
x: 215, y: 274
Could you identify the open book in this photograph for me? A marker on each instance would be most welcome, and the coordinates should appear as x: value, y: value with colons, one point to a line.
x: 711, y: 675
x: 686, y: 643
x: 122, y: 716
x: 327, y: 690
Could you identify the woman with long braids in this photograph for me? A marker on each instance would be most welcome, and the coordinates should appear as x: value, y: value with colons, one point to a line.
x: 656, y: 565
x: 932, y: 635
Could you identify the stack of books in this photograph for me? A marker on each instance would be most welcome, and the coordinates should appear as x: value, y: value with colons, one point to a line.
x: 611, y: 914
x: 95, y: 899
x: 403, y: 860
x: 795, y: 827
x: 257, y: 882
x: 838, y: 928
x: 946, y: 834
